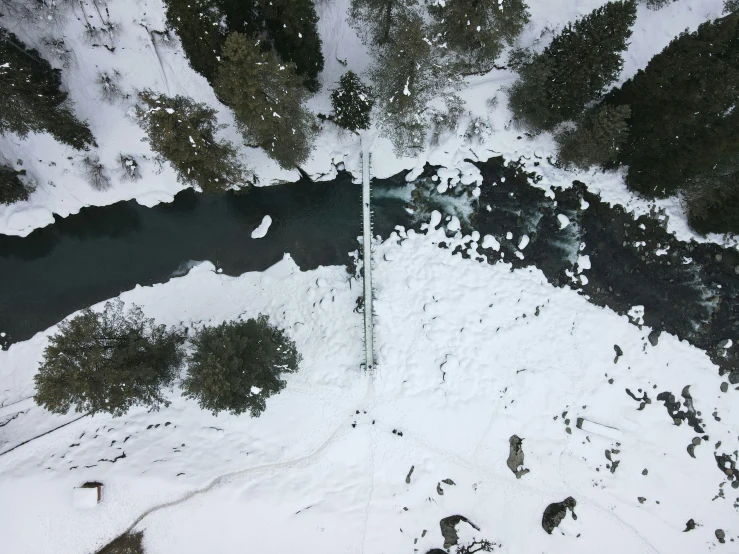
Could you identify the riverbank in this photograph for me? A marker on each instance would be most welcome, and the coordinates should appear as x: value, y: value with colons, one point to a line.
x: 57, y: 171
x: 469, y: 354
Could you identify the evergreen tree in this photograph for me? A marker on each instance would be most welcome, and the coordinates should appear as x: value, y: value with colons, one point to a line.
x: 712, y: 202
x: 352, y: 103
x: 11, y: 188
x: 405, y: 74
x: 108, y: 362
x: 600, y: 134
x: 731, y: 6
x: 242, y: 16
x: 477, y: 29
x: 32, y: 99
x: 528, y: 97
x: 182, y: 131
x: 200, y: 26
x: 374, y: 20
x: 577, y: 67
x: 288, y: 27
x: 267, y: 99
x: 236, y: 366
x: 684, y: 127
x: 657, y: 4
x: 292, y: 31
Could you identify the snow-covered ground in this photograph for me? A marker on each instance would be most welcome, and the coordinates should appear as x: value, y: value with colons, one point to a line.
x: 469, y: 354
x: 61, y: 186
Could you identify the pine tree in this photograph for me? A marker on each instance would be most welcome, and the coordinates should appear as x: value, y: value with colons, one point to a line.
x: 182, y: 131
x: 292, y: 30
x: 684, y: 127
x: 267, y: 99
x: 12, y: 188
x: 108, y: 362
x: 731, y: 6
x: 236, y: 366
x: 599, y: 136
x: 577, y: 66
x: 32, y: 100
x: 712, y: 202
x: 352, y: 102
x: 199, y: 24
x: 657, y: 4
x: 405, y: 76
x: 528, y: 97
x: 477, y: 29
x: 374, y: 20
x: 242, y: 16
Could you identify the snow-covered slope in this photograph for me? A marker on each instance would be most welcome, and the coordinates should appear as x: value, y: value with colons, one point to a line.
x: 469, y: 355
x: 144, y: 63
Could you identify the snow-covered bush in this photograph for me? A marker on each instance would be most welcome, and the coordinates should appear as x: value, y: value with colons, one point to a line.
x: 375, y: 20
x: 108, y: 83
x: 352, y: 103
x: 182, y: 131
x: 56, y: 48
x: 95, y: 173
x: 518, y: 58
x: 12, y: 188
x: 407, y: 133
x: 712, y: 203
x: 199, y: 24
x: 287, y: 27
x: 575, y: 68
x: 236, y: 366
x: 477, y: 30
x: 108, y: 362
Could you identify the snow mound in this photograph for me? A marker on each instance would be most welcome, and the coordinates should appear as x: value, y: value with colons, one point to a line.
x: 261, y: 231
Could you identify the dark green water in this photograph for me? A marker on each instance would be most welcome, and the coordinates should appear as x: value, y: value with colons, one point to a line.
x: 103, y: 251
x: 691, y: 291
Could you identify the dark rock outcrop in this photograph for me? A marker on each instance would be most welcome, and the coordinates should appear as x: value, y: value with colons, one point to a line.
x: 556, y: 512
x: 515, y: 457
x: 449, y: 529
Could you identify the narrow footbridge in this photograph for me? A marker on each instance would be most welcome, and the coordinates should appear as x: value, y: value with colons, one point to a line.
x: 367, y: 250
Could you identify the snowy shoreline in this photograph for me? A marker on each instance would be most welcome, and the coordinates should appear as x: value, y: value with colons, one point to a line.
x: 62, y: 190
x: 456, y: 377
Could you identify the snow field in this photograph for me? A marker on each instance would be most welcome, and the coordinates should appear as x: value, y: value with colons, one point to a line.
x: 463, y: 363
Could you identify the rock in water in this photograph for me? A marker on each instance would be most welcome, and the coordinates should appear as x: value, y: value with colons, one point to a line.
x: 515, y: 457
x: 556, y: 512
